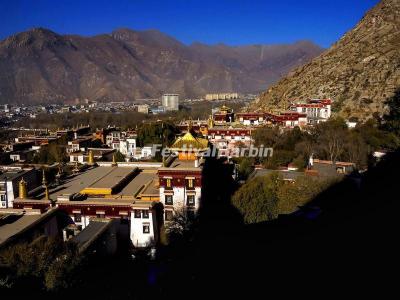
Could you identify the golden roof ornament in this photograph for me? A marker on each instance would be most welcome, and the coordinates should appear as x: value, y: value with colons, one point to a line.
x: 44, y: 181
x: 210, y: 122
x: 114, y: 159
x: 91, y: 158
x: 23, y: 194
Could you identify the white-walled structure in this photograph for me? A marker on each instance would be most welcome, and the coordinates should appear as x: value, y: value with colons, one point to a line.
x: 317, y: 110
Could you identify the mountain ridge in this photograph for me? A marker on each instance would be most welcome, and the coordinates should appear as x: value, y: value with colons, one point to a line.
x: 359, y: 72
x: 42, y: 66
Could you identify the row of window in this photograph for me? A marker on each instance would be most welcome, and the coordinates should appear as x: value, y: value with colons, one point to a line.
x: 190, y: 200
x: 138, y: 214
x: 189, y: 183
x: 144, y: 214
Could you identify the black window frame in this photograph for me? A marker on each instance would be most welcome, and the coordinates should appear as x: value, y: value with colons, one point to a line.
x: 145, y: 213
x: 188, y: 202
x: 137, y: 214
x: 147, y: 231
x: 77, y: 217
x: 169, y: 202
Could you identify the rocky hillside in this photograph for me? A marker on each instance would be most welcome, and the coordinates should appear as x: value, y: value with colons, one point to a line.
x: 40, y: 66
x: 358, y: 72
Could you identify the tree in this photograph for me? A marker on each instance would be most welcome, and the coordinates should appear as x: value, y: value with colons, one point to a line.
x: 245, y: 168
x: 266, y: 136
x: 119, y: 157
x: 48, y: 261
x: 291, y: 195
x: 257, y: 199
x: 331, y: 136
x: 157, y: 133
x: 391, y: 120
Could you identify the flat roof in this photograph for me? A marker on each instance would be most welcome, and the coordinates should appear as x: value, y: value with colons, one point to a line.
x: 90, y: 234
x: 111, y: 177
x: 105, y: 177
x: 79, y: 182
x: 23, y: 220
x: 141, y: 179
x: 12, y: 174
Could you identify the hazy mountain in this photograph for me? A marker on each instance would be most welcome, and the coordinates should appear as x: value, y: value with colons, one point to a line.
x: 358, y: 72
x: 42, y: 66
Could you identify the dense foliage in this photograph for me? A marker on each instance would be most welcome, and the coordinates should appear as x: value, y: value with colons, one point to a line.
x: 47, y: 261
x: 162, y: 133
x: 53, y: 152
x: 264, y: 198
x: 331, y: 140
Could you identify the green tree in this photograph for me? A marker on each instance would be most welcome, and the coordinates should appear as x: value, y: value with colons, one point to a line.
x: 257, y: 199
x: 48, y: 261
x: 119, y: 157
x: 391, y: 120
x: 292, y: 195
x: 245, y: 167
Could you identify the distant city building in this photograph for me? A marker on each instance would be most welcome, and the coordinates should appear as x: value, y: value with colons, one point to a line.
x: 170, y: 102
x: 143, y: 108
x: 158, y: 110
x: 222, y: 96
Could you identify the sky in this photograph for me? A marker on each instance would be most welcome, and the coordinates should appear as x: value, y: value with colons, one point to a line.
x: 234, y: 22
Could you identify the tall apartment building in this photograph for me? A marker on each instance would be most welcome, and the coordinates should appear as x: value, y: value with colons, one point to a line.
x: 170, y: 102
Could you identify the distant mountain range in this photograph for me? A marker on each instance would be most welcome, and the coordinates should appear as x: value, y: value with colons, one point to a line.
x: 359, y: 72
x: 41, y: 66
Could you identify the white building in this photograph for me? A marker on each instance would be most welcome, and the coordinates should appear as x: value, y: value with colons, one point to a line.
x: 170, y: 102
x: 227, y: 139
x: 128, y: 147
x: 142, y: 231
x: 317, y: 110
x: 9, y: 185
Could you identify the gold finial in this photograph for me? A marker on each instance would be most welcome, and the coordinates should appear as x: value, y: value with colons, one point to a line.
x: 210, y: 122
x: 46, y: 193
x: 91, y: 158
x: 44, y: 181
x: 114, y: 160
x: 23, y: 194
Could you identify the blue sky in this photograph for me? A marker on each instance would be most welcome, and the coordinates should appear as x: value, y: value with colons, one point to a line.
x: 234, y: 22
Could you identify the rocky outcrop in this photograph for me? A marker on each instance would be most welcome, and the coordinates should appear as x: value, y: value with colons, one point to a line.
x: 359, y: 72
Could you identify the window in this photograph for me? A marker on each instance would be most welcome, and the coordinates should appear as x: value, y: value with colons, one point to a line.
x: 190, y: 200
x: 146, y: 228
x: 77, y: 217
x: 169, y: 200
x: 168, y: 182
x: 190, y: 183
x: 101, y: 216
x: 138, y: 214
x: 145, y: 214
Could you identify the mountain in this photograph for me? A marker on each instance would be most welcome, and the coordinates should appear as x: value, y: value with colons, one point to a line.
x: 358, y: 72
x: 39, y: 66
